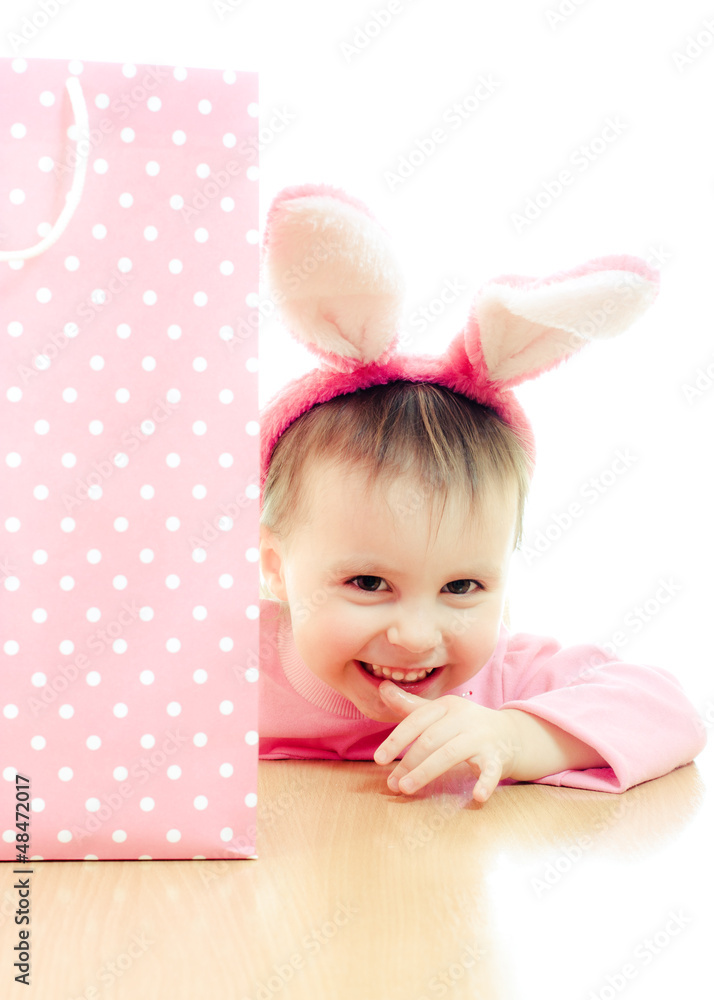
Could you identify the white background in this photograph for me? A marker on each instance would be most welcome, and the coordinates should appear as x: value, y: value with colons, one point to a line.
x: 346, y: 117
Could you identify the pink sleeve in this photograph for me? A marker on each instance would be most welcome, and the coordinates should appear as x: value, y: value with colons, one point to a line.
x: 637, y: 718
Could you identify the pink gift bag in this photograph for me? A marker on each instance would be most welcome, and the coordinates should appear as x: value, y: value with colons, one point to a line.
x: 128, y: 565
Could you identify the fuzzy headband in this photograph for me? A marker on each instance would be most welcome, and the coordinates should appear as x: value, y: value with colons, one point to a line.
x: 339, y: 290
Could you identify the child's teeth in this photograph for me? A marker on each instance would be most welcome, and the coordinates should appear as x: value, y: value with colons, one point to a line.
x: 398, y: 675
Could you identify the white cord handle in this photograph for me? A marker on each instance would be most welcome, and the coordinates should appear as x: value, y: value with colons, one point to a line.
x: 81, y: 119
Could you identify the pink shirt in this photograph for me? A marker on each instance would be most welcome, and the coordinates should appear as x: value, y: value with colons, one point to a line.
x: 637, y: 718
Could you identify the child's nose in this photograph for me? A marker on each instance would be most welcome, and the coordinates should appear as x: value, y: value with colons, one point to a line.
x: 418, y: 636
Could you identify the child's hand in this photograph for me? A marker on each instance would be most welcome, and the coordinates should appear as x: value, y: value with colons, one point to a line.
x: 447, y: 731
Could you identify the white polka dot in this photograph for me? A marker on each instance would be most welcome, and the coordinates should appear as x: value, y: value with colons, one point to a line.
x: 173, y: 645
x: 69, y: 460
x: 225, y: 523
x: 39, y: 679
x: 226, y: 333
x: 226, y: 267
x: 173, y: 772
x: 150, y: 233
x: 93, y: 614
x: 38, y: 805
x: 251, y: 800
x: 225, y: 644
x: 13, y: 459
x: 173, y: 836
x: 92, y: 805
x: 120, y: 710
x: 126, y: 200
x: 123, y: 331
x: 200, y: 739
x: 12, y: 583
x: 65, y: 774
x: 172, y: 581
x: 252, y: 427
x: 76, y: 66
x: 120, y: 646
x: 129, y: 70
x: 204, y: 107
x: 99, y: 231
x: 252, y: 611
x: 199, y: 491
x: 15, y: 329
x: 179, y: 137
x: 252, y: 491
x: 102, y: 100
x: 225, y: 460
x: 201, y: 235
x: 200, y: 676
x: 229, y: 140
x: 200, y: 613
x: 252, y: 235
x: 200, y: 802
x: 252, y: 674
x: 39, y: 615
x: 39, y: 556
x: 147, y: 493
x: 11, y: 647
x: 176, y: 201
x: 199, y: 427
x: 18, y: 130
x: 42, y: 362
x: 96, y: 363
x: 146, y: 555
x: 69, y: 395
x: 146, y: 804
x: 173, y: 708
x: 200, y: 299
x: 225, y: 580
x: 9, y: 774
x: 120, y: 773
x: 146, y: 613
x: 93, y: 678
x: 198, y: 555
x: 251, y: 737
x: 125, y: 264
x: 225, y: 707
x: 174, y: 331
x: 122, y: 395
x: 119, y: 582
x: 148, y: 363
x: 11, y: 712
x: 173, y: 460
x: 252, y: 173
x: 119, y: 836
x: 149, y: 298
x: 121, y: 524
x: 100, y: 166
x: 146, y: 677
x: 252, y: 555
x: 175, y: 267
x: 154, y: 104
x: 64, y: 836
x: 66, y: 647
x: 19, y: 65
x: 67, y: 524
x: 94, y: 742
x: 41, y: 426
x: 127, y: 135
x: 17, y: 196
x: 227, y: 204
x: 40, y: 492
x: 173, y: 523
x: 225, y: 770
x: 65, y: 711
x: 14, y: 393
x: 147, y: 741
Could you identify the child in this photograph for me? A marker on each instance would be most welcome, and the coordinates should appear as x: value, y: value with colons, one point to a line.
x: 393, y: 490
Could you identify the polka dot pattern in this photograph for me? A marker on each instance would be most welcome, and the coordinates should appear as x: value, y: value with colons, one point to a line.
x: 128, y: 435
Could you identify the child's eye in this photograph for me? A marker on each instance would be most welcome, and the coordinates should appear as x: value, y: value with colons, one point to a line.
x: 461, y: 587
x: 368, y: 583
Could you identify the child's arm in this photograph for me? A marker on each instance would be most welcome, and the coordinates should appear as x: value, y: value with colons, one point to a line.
x: 546, y: 749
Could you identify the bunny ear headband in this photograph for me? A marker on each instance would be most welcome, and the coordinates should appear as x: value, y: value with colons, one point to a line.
x: 339, y: 291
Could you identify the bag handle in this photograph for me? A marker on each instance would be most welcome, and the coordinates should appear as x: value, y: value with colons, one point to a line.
x: 81, y: 119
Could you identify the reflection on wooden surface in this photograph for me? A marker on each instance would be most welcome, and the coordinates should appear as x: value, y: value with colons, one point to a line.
x: 358, y: 893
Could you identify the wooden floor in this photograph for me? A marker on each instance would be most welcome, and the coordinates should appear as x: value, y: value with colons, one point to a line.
x: 357, y: 893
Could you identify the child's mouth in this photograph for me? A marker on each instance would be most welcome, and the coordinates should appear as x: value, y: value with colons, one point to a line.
x: 413, y: 681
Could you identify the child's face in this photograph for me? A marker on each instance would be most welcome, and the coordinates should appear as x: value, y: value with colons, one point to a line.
x: 367, y: 583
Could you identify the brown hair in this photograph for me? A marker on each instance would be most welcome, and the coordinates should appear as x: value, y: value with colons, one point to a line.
x: 441, y: 439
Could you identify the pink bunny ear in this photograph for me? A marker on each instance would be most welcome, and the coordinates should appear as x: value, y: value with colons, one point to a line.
x: 520, y: 327
x: 333, y: 275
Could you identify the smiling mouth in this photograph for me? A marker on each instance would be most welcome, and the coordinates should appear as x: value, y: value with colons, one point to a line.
x: 393, y: 674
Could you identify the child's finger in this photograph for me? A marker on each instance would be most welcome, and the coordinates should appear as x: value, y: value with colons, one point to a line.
x: 491, y: 771
x: 453, y: 752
